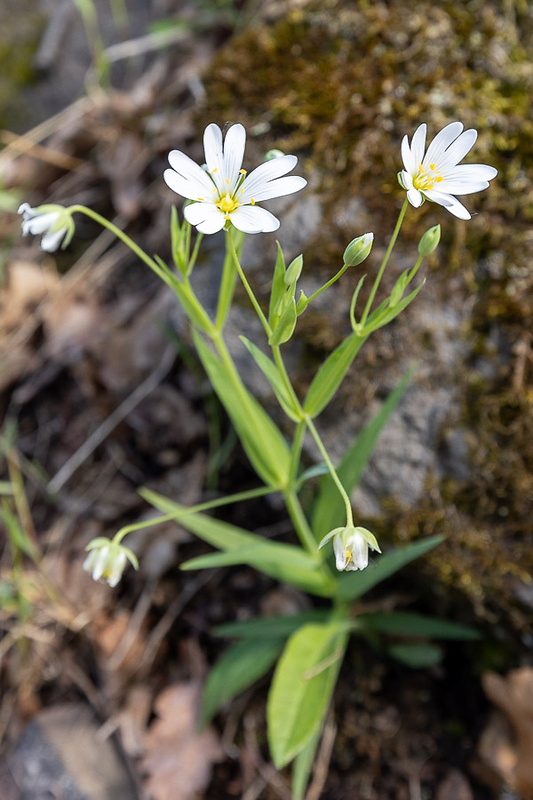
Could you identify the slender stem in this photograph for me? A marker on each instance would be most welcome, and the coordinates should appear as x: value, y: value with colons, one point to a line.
x: 227, y: 288
x: 384, y: 263
x: 207, y: 506
x: 349, y: 515
x: 105, y: 223
x: 328, y: 284
x: 276, y: 352
x: 301, y: 526
x: 249, y: 290
x: 296, y: 450
x: 192, y: 259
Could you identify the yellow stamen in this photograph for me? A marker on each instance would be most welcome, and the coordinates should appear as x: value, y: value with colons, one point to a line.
x: 227, y: 181
x: 227, y: 204
x: 242, y: 171
x: 252, y: 201
x: 214, y: 170
x: 201, y: 198
x: 426, y: 180
x: 348, y: 555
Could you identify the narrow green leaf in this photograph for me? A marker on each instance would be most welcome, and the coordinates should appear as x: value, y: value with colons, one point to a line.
x: 301, y: 688
x: 241, y: 665
x: 331, y: 373
x: 270, y: 627
x: 354, y: 584
x: 404, y: 623
x: 391, y: 312
x: 278, y: 287
x: 255, y: 554
x: 260, y: 437
x: 416, y: 655
x: 328, y: 510
x: 229, y: 537
x: 271, y: 373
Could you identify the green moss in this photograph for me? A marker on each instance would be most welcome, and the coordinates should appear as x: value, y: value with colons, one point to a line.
x: 340, y: 85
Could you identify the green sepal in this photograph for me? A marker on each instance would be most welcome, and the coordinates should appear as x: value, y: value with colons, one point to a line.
x: 278, y: 287
x: 284, y: 327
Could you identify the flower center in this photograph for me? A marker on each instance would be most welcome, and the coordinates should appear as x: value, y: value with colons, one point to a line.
x: 348, y: 556
x: 227, y: 204
x: 426, y: 179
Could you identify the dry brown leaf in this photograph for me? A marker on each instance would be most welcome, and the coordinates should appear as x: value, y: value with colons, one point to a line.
x: 514, y: 696
x: 178, y: 758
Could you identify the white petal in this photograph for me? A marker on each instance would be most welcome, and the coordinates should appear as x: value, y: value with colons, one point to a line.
x: 442, y: 140
x: 117, y: 568
x: 26, y: 209
x: 205, y: 216
x: 472, y: 172
x: 188, y: 168
x: 415, y: 197
x: 276, y: 188
x: 359, y: 549
x: 234, y: 144
x: 340, y: 553
x: 458, y: 150
x: 268, y: 171
x: 452, y: 204
x: 191, y: 188
x: 408, y: 161
x: 52, y: 240
x: 100, y: 562
x: 39, y: 223
x: 214, y: 154
x: 451, y: 186
x: 252, y: 219
x: 418, y: 145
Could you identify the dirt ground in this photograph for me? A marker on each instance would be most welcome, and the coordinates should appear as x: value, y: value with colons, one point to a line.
x: 101, y: 394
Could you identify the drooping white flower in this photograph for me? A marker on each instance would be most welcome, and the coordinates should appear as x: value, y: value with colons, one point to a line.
x: 350, y: 546
x: 436, y: 174
x: 223, y: 192
x: 107, y: 560
x: 53, y: 221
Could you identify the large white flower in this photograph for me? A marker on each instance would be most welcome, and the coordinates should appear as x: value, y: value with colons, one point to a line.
x: 53, y: 221
x: 223, y: 191
x: 436, y: 175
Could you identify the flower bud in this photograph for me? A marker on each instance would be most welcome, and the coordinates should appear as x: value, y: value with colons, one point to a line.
x: 358, y: 250
x: 429, y: 241
x: 294, y: 270
x: 273, y: 154
x: 107, y: 560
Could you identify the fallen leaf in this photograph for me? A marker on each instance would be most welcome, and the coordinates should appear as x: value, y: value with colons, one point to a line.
x: 178, y: 758
x: 514, y: 696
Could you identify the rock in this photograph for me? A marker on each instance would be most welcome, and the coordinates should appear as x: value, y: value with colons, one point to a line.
x: 61, y: 755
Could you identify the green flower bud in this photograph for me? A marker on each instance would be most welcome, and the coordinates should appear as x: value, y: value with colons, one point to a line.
x: 294, y: 271
x: 273, y: 154
x: 429, y: 241
x: 358, y: 250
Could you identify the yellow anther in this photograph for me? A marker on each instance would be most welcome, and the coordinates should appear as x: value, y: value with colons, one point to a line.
x: 252, y: 201
x: 432, y: 166
x: 227, y: 204
x: 242, y: 171
x: 201, y: 198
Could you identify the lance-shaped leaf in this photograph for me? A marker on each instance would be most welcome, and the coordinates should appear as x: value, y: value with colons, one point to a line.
x: 241, y: 665
x: 271, y: 373
x: 260, y: 437
x: 227, y: 537
x: 287, y: 322
x: 270, y: 627
x: 331, y: 373
x: 328, y: 510
x: 417, y: 655
x: 354, y: 584
x: 278, y: 288
x: 255, y: 554
x: 301, y: 688
x: 404, y: 623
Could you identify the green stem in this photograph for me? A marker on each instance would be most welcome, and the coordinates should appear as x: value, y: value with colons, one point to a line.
x: 276, y: 352
x: 227, y: 288
x: 349, y: 514
x: 105, y: 223
x: 328, y: 284
x: 301, y: 526
x: 207, y: 506
x: 384, y: 263
x: 249, y: 290
x: 296, y: 450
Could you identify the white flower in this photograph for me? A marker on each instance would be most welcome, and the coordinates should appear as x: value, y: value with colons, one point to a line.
x: 107, y: 560
x: 350, y: 546
x: 223, y: 192
x: 436, y: 175
x: 53, y: 221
